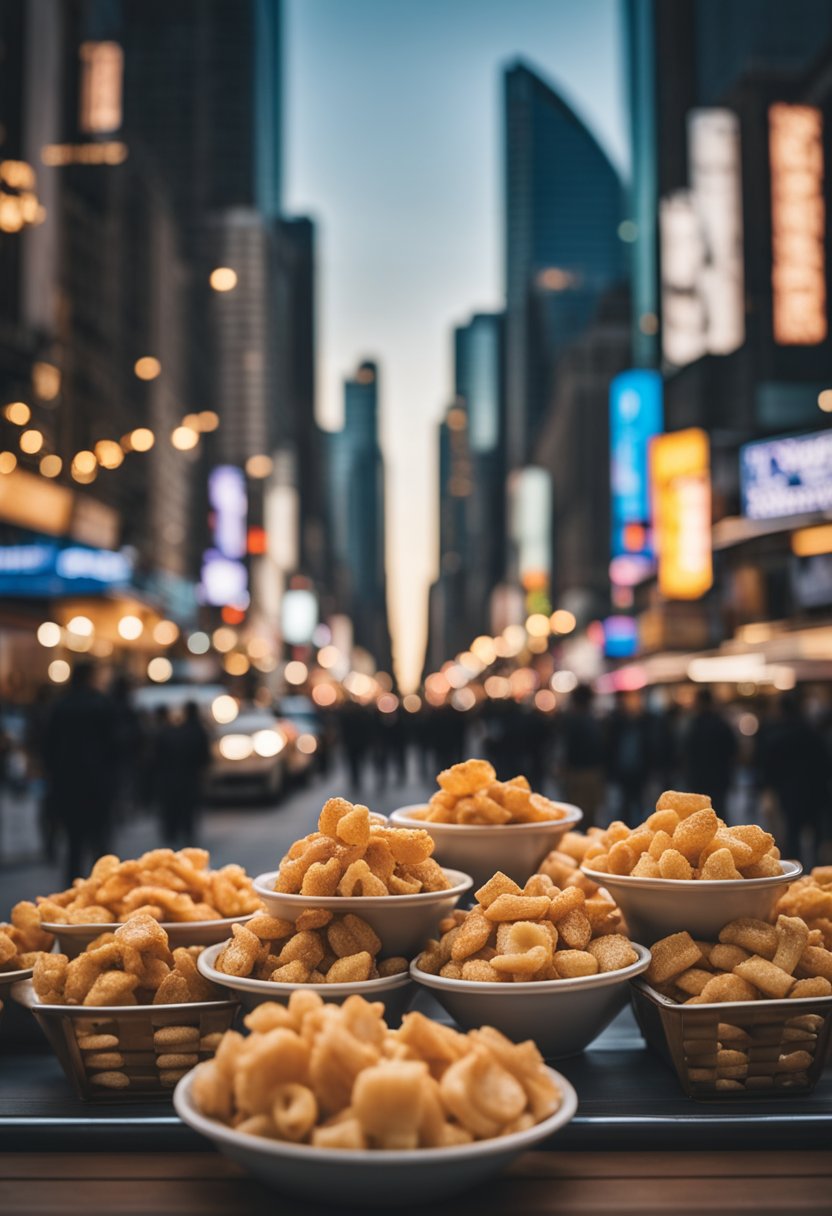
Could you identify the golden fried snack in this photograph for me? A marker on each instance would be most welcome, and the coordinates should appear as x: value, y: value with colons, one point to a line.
x: 355, y: 854
x: 166, y: 885
x: 336, y: 1077
x: 810, y: 898
x: 135, y: 967
x: 329, y: 950
x: 23, y: 939
x: 537, y: 932
x: 684, y: 839
x: 470, y: 793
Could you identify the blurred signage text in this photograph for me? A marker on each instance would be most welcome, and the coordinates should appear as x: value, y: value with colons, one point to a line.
x: 102, y: 70
x: 789, y: 476
x: 636, y: 415
x: 681, y: 489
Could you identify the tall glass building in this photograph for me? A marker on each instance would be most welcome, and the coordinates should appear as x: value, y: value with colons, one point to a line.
x: 563, y: 206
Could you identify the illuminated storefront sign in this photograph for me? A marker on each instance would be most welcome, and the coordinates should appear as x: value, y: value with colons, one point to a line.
x: 798, y: 225
x: 44, y: 568
x: 102, y: 70
x: 620, y: 637
x: 790, y: 476
x: 224, y: 573
x: 681, y: 493
x: 107, y: 152
x: 530, y: 526
x: 298, y: 616
x: 701, y: 234
x: 635, y: 417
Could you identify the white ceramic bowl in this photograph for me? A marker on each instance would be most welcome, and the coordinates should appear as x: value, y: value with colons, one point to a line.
x: 481, y: 849
x: 403, y: 922
x: 396, y: 991
x: 656, y: 907
x: 73, y: 939
x: 561, y: 1016
x: 370, y: 1178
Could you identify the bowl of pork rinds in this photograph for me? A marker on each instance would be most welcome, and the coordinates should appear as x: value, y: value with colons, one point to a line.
x: 479, y: 823
x: 128, y: 1016
x: 21, y: 943
x: 195, y: 904
x: 747, y: 1012
x: 324, y: 1100
x: 685, y: 868
x: 383, y: 874
x: 536, y: 962
x: 268, y: 959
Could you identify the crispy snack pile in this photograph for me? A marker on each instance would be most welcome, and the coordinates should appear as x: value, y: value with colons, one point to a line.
x: 353, y: 854
x: 166, y: 885
x: 23, y: 939
x: 335, y: 1076
x: 563, y: 866
x: 811, y: 899
x: 317, y: 948
x: 133, y: 966
x: 471, y: 793
x: 538, y: 932
x: 684, y: 838
x: 753, y: 960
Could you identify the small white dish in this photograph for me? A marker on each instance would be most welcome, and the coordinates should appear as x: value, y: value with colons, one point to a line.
x: 656, y: 907
x: 561, y: 1016
x: 73, y: 939
x: 370, y: 1177
x: 396, y: 991
x: 403, y: 922
x: 481, y: 849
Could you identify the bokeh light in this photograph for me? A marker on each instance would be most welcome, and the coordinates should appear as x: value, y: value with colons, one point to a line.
x: 199, y: 643
x: 59, y: 671
x: 130, y: 627
x: 50, y: 466
x: 223, y: 278
x: 147, y: 367
x: 295, y: 672
x: 159, y: 669
x: 49, y: 634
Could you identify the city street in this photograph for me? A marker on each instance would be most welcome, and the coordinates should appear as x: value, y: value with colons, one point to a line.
x: 254, y: 835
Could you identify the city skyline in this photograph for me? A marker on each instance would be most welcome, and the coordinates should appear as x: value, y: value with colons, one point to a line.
x: 344, y: 166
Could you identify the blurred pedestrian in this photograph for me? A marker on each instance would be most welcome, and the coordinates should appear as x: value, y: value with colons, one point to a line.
x: 356, y: 738
x: 796, y: 766
x: 581, y: 755
x: 628, y: 755
x: 129, y: 739
x: 709, y: 752
x: 35, y: 742
x: 182, y: 755
x: 80, y: 759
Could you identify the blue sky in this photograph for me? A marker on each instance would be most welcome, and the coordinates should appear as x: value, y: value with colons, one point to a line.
x: 394, y: 145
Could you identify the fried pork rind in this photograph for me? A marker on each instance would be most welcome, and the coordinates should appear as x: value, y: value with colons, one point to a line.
x: 470, y: 793
x: 354, y: 854
x: 336, y: 1077
x: 166, y: 885
x: 540, y: 933
x: 22, y: 939
x: 134, y: 967
x: 684, y: 839
x: 810, y: 898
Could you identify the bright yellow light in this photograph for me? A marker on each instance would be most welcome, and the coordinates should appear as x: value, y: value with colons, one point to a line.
x: 223, y: 278
x: 825, y: 400
x: 165, y: 633
x: 192, y: 422
x: 160, y: 669
x: 562, y: 621
x: 84, y: 462
x: 514, y: 637
x: 18, y: 412
x: 680, y: 480
x: 108, y: 453
x: 236, y: 747
x: 324, y: 695
x: 59, y: 671
x: 236, y: 664
x: 539, y: 645
x: 82, y: 478
x: 224, y: 709
x: 46, y: 380
x: 268, y: 742
x: 808, y: 542
x: 130, y: 628
x: 50, y: 466
x: 259, y: 466
x: 295, y: 672
x: 483, y: 647
x: 31, y: 442
x: 537, y: 625
x: 183, y: 438
x: 328, y: 656
x: 49, y: 634
x: 209, y: 420
x: 8, y: 462
x: 81, y: 626
x: 412, y: 703
x: 224, y: 639
x: 142, y: 439
x: 147, y: 368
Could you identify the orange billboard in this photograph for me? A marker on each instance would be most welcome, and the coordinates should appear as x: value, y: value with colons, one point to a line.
x: 680, y: 482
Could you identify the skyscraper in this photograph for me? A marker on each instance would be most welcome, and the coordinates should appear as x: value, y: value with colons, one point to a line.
x: 563, y: 201
x: 356, y: 515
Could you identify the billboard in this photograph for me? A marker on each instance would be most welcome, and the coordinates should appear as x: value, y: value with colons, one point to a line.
x: 636, y: 415
x: 224, y: 572
x: 680, y: 479
x: 798, y: 225
x: 787, y: 476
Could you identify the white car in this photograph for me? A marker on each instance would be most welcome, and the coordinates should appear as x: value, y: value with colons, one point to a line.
x: 250, y: 751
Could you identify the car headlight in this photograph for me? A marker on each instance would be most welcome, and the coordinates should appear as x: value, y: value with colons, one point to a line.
x: 236, y: 747
x: 268, y: 742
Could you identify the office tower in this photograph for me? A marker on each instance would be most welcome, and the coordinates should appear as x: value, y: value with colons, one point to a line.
x: 356, y: 515
x: 563, y: 202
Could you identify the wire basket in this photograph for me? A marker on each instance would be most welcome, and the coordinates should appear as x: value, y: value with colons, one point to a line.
x: 114, y: 1053
x: 738, y: 1049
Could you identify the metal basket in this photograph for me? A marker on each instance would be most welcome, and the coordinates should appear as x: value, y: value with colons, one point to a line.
x: 738, y: 1049
x: 114, y: 1053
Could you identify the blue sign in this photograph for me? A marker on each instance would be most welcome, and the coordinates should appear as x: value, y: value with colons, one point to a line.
x: 787, y: 476
x: 636, y: 415
x: 45, y: 569
x: 620, y: 637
